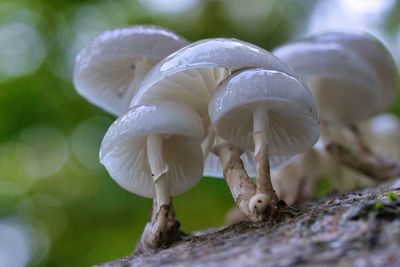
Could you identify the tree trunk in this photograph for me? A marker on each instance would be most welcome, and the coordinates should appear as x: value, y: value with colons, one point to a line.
x: 356, y: 229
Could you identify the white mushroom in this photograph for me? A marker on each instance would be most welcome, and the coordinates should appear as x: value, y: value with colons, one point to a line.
x: 110, y: 68
x: 373, y: 52
x: 352, y: 77
x: 268, y: 112
x: 191, y: 74
x: 154, y: 151
x: 342, y: 82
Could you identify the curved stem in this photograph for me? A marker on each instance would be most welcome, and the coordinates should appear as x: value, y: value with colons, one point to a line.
x: 359, y: 139
x: 356, y: 154
x: 376, y: 167
x: 261, y: 151
x: 241, y: 186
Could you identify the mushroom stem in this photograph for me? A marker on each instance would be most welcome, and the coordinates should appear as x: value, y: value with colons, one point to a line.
x: 356, y: 154
x: 296, y: 181
x: 359, y: 140
x: 241, y: 186
x: 208, y: 141
x: 163, y: 229
x: 158, y: 169
x: 261, y: 151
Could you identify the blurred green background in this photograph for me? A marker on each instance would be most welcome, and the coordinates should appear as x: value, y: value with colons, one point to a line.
x: 58, y: 206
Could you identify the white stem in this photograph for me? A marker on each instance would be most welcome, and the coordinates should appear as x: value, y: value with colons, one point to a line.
x: 261, y: 151
x: 260, y: 119
x: 158, y: 168
x: 261, y: 123
x: 208, y: 141
x: 162, y: 192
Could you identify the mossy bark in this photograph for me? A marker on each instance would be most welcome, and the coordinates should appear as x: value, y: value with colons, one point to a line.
x: 356, y: 229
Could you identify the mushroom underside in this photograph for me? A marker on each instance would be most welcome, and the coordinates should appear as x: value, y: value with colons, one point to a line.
x: 289, y: 127
x: 344, y: 101
x: 181, y: 154
x: 193, y: 87
x: 112, y: 84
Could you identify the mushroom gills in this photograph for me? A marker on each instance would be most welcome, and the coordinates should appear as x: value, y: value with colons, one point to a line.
x: 115, y: 75
x: 194, y: 92
x: 139, y: 68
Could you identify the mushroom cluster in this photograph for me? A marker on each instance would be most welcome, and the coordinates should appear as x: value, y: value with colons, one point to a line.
x: 352, y: 77
x: 227, y: 108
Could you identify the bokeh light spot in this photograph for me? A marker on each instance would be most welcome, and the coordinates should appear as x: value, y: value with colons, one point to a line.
x: 170, y: 6
x: 86, y: 139
x: 43, y: 150
x: 21, y: 50
x: 15, y: 246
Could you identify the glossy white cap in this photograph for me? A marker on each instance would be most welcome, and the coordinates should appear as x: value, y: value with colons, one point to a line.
x: 371, y: 50
x: 351, y: 75
x: 293, y: 127
x: 109, y: 69
x: 191, y: 74
x: 124, y: 151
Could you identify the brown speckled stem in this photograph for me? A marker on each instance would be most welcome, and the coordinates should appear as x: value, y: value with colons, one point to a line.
x: 241, y: 186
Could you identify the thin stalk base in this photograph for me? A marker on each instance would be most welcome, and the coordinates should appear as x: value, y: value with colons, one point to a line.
x: 162, y: 231
x: 264, y: 184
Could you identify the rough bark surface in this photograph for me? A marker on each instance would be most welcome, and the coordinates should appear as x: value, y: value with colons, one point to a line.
x: 356, y: 229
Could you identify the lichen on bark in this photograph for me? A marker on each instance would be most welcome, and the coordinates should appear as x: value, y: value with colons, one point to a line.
x: 356, y: 229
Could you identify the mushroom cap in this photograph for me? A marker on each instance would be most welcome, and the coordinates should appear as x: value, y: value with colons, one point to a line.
x: 293, y: 127
x: 109, y: 69
x: 343, y: 80
x: 191, y: 74
x: 371, y: 50
x: 124, y: 148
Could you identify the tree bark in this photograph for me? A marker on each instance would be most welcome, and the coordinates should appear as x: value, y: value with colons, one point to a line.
x: 356, y: 229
